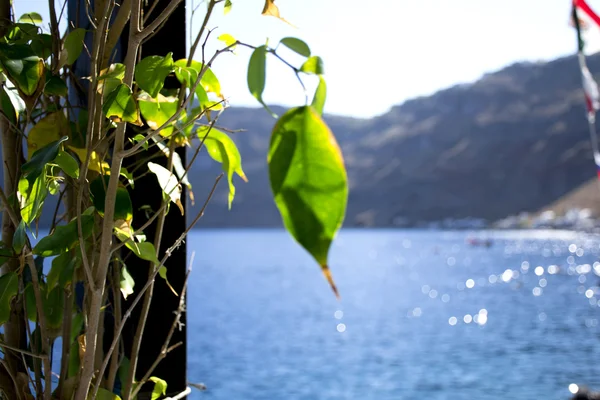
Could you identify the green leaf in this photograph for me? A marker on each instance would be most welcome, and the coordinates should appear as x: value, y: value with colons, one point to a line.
x: 74, y: 362
x: 151, y: 72
x: 313, y: 65
x: 138, y: 138
x: 127, y: 175
x: 53, y: 187
x: 5, y: 253
x: 56, y: 87
x: 19, y: 238
x: 156, y: 111
x: 168, y: 183
x: 61, y: 272
x: 160, y: 387
x: 35, y: 166
x: 227, y: 7
x: 104, y: 394
x: 31, y: 18
x: 296, y: 45
x: 209, y: 80
x: 41, y: 44
x: 51, y: 128
x: 74, y: 44
x: 33, y: 198
x: 76, y: 326
x: 318, y: 102
x: 145, y: 251
x: 30, y: 303
x: 24, y: 68
x: 64, y: 237
x: 116, y: 71
x: 222, y: 149
x: 308, y: 180
x: 189, y: 75
x: 257, y: 70
x: 67, y: 163
x: 7, y: 107
x: 9, y: 286
x: 123, y: 369
x: 53, y: 307
x: 123, y: 205
x: 126, y: 283
x: 121, y: 106
x: 227, y: 39
x: 177, y: 164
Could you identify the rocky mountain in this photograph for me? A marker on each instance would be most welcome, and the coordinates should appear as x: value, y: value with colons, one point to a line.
x: 515, y: 140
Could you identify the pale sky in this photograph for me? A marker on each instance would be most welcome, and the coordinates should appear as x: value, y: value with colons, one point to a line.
x: 379, y: 53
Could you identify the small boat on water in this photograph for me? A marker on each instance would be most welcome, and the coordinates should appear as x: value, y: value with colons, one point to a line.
x: 476, y: 242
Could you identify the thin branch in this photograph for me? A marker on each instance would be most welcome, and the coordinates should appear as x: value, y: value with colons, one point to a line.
x: 27, y: 353
x: 166, y: 13
x: 211, y: 6
x: 149, y: 282
x: 115, y: 31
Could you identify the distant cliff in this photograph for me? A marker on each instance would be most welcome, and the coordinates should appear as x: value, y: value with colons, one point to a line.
x: 516, y: 140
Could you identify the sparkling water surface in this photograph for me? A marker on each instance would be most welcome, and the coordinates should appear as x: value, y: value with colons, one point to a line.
x: 422, y: 314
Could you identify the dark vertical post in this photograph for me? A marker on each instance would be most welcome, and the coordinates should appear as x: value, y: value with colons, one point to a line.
x: 173, y: 369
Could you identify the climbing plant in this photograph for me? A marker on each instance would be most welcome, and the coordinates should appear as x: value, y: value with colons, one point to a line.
x: 60, y: 280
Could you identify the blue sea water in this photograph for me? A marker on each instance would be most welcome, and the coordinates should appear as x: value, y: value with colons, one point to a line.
x: 422, y: 314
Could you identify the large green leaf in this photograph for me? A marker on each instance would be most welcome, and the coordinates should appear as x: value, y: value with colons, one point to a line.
x: 35, y: 166
x: 68, y: 164
x: 120, y: 106
x: 33, y: 198
x: 64, y: 237
x: 51, y: 128
x: 151, y: 72
x: 126, y: 282
x: 9, y: 286
x: 31, y: 18
x: 53, y: 307
x: 160, y: 387
x: 318, y: 102
x: 189, y: 75
x: 168, y: 183
x: 145, y: 251
x: 222, y: 149
x: 308, y: 180
x: 296, y: 45
x: 156, y: 111
x: 74, y: 45
x: 313, y: 65
x: 41, y: 44
x: 257, y: 75
x: 55, y: 86
x: 24, y: 68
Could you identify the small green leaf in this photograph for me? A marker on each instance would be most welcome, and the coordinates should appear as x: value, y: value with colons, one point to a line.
x: 64, y: 237
x: 68, y: 164
x: 257, y: 70
x: 296, y: 45
x: 123, y: 205
x: 227, y: 39
x: 127, y: 175
x: 227, y: 7
x: 156, y: 111
x: 313, y: 65
x: 104, y: 394
x: 5, y: 253
x: 151, y: 72
x: 318, y: 102
x: 209, y: 80
x: 53, y: 187
x: 145, y: 251
x: 53, y: 307
x: 33, y: 199
x: 61, y: 272
x: 138, y: 138
x: 168, y: 183
x: 160, y: 387
x: 74, y: 44
x: 126, y: 283
x: 9, y: 286
x: 41, y: 44
x: 35, y: 166
x: 31, y: 18
x: 19, y: 238
x: 116, y: 71
x: 55, y: 87
x: 24, y: 68
x: 121, y: 106
x: 7, y: 107
x: 222, y: 149
x: 309, y: 182
x: 30, y: 303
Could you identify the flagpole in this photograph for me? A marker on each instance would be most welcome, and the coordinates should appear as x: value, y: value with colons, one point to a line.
x: 591, y: 103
